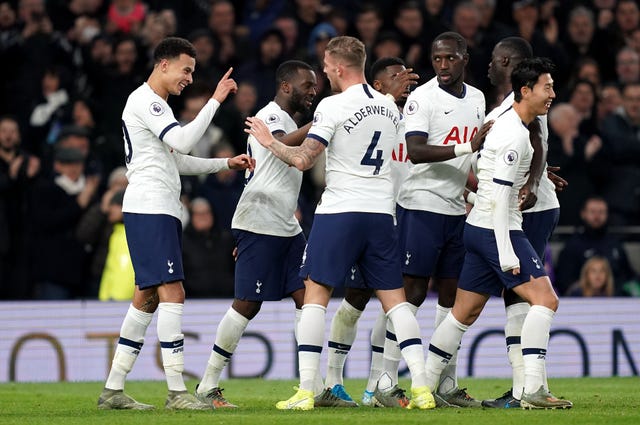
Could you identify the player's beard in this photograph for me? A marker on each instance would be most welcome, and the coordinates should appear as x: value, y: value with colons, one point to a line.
x: 298, y: 102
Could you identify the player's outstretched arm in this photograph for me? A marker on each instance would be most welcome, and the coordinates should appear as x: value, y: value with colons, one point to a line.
x: 421, y: 152
x: 302, y: 157
x: 241, y: 162
x: 225, y: 86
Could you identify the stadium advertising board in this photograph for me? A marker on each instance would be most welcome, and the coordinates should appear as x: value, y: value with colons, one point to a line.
x: 74, y: 341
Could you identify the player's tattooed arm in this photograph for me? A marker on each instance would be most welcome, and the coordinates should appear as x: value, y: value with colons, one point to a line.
x: 302, y: 157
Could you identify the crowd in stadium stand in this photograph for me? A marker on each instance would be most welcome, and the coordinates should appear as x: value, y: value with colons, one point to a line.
x: 67, y: 68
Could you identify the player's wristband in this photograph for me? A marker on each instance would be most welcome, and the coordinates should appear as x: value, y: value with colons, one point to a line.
x: 391, y: 98
x: 471, y: 198
x: 462, y: 149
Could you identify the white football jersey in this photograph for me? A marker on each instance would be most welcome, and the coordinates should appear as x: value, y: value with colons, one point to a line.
x: 359, y: 127
x: 270, y: 197
x: 445, y: 120
x: 400, y: 163
x: 504, y: 159
x: 153, y: 168
x: 547, y: 198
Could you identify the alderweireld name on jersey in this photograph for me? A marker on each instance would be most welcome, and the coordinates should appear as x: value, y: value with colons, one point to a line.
x: 369, y: 110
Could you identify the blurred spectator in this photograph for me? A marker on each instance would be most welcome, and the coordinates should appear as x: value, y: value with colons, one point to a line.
x: 318, y: 41
x: 604, y: 12
x: 544, y: 39
x: 223, y: 189
x: 466, y: 22
x: 207, y: 71
x: 208, y: 255
x: 621, y: 137
x: 231, y: 116
x: 339, y: 19
x: 584, y: 40
x: 121, y: 79
x: 578, y: 159
x: 289, y: 28
x: 368, y: 22
x: 596, y: 279
x: 118, y: 278
x: 308, y: 14
x: 96, y: 226
x: 408, y: 21
x: 586, y: 68
x: 258, y: 17
x: 231, y: 47
x: 76, y: 137
x: 59, y: 261
x: 157, y: 26
x: 125, y: 16
x: 194, y: 100
x: 492, y: 30
x: 626, y: 20
x: 18, y: 170
x: 261, y: 70
x: 387, y: 45
x: 590, y: 240
x: 49, y: 108
x: 583, y: 96
x: 610, y: 100
x: 627, y: 66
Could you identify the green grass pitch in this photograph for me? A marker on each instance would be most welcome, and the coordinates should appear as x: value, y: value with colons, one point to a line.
x: 610, y: 401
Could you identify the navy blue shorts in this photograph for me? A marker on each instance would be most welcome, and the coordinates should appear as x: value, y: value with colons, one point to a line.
x: 267, y: 266
x: 339, y: 241
x: 481, y: 272
x: 155, y: 246
x: 430, y: 243
x: 538, y: 226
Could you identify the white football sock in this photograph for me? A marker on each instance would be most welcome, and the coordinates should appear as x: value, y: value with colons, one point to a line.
x: 172, y: 343
x: 318, y: 386
x: 444, y: 344
x: 344, y: 327
x: 391, y: 355
x: 228, y: 334
x: 449, y: 375
x: 134, y: 326
x: 310, y: 337
x: 377, y: 350
x: 408, y: 336
x: 535, y: 341
x: 516, y: 314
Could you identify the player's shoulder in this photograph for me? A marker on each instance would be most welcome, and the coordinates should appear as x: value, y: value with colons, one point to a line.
x: 474, y: 92
x: 144, y: 99
x: 271, y: 113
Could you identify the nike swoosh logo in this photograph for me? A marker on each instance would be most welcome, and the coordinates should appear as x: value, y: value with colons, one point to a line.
x: 448, y: 112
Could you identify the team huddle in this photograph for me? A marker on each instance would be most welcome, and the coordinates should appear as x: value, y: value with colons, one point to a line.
x: 383, y: 225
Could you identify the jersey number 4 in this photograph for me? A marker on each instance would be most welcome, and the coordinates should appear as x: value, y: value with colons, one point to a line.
x: 369, y: 159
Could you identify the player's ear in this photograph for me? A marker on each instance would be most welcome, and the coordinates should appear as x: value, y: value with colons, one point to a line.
x: 285, y: 87
x: 377, y: 85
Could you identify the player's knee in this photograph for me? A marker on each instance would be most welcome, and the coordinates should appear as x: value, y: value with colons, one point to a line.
x: 248, y: 309
x: 357, y: 298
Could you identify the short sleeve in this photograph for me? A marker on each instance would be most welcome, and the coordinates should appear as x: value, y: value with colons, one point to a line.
x: 325, y: 122
x: 509, y: 153
x: 156, y: 115
x: 417, y: 112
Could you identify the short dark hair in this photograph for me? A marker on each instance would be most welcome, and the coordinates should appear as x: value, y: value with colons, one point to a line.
x: 527, y: 72
x: 517, y: 47
x: 288, y: 69
x: 383, y: 63
x: 173, y: 47
x: 461, y: 43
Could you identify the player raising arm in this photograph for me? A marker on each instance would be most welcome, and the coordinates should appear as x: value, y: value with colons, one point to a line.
x: 155, y: 148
